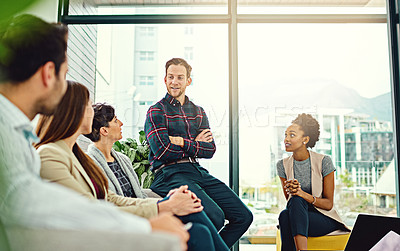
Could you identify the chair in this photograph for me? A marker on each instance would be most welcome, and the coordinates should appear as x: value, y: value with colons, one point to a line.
x: 332, y: 241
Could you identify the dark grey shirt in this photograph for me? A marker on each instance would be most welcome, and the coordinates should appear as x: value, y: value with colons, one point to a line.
x: 123, y: 179
x: 302, y: 171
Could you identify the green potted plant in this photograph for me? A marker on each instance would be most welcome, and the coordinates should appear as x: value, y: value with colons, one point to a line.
x: 138, y: 153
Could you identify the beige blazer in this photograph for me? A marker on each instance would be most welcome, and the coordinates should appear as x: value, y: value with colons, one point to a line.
x: 60, y: 165
x: 316, y: 180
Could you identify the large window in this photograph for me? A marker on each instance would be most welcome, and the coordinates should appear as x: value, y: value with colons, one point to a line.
x: 258, y: 63
x: 133, y: 86
x: 339, y: 73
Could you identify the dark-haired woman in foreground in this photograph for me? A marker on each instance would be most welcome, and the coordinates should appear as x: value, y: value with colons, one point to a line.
x: 308, y: 184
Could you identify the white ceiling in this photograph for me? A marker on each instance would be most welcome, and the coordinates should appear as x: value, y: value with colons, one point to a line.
x: 291, y: 3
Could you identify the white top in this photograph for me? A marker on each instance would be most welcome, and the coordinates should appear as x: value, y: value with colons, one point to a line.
x: 28, y: 201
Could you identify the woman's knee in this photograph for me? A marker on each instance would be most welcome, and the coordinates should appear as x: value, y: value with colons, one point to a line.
x: 296, y: 202
x: 200, y: 238
x: 284, y: 218
x: 199, y: 230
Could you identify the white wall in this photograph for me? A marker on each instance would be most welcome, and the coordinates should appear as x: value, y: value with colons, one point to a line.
x: 45, y: 9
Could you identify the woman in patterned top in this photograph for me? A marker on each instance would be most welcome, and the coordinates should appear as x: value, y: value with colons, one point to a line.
x: 308, y: 184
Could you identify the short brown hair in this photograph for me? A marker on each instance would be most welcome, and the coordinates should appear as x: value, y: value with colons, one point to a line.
x: 28, y: 43
x: 179, y: 61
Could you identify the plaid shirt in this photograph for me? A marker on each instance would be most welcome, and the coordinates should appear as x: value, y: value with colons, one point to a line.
x: 169, y: 118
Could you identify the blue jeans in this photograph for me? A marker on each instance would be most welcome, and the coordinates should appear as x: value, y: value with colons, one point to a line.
x: 219, y: 201
x: 300, y: 218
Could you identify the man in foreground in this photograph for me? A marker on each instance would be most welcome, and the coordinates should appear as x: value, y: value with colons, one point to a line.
x: 33, y: 66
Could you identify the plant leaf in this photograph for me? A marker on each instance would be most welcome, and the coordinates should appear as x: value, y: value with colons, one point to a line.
x: 9, y: 8
x: 117, y: 146
x: 138, y: 154
x: 141, y: 169
x: 144, y: 152
x: 145, y: 162
x: 148, y: 179
x: 135, y: 166
x: 126, y: 148
x: 132, y: 142
x: 142, y: 137
x: 132, y: 154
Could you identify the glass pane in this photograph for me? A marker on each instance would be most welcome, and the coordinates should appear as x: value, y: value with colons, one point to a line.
x: 144, y: 7
x: 339, y: 73
x: 128, y: 62
x: 82, y: 53
x: 311, y: 7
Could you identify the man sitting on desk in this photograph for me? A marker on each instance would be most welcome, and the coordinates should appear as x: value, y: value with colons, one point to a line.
x: 178, y: 132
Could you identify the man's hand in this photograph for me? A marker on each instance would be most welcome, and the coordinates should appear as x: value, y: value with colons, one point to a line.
x: 185, y: 190
x: 205, y: 136
x: 176, y: 140
x: 168, y: 223
x: 182, y: 202
x: 172, y: 191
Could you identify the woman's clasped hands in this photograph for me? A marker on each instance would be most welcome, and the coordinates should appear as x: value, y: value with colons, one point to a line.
x: 293, y: 187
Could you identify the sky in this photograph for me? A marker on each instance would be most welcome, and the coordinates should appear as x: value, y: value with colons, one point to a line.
x: 354, y: 55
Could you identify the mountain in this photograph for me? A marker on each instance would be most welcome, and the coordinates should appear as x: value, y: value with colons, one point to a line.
x: 381, y: 107
x: 322, y: 93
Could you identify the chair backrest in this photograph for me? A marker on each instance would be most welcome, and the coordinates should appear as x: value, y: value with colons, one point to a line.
x: 369, y: 229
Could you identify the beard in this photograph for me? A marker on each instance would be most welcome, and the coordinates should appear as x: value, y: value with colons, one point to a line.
x: 47, y: 105
x: 42, y: 107
x: 175, y: 94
